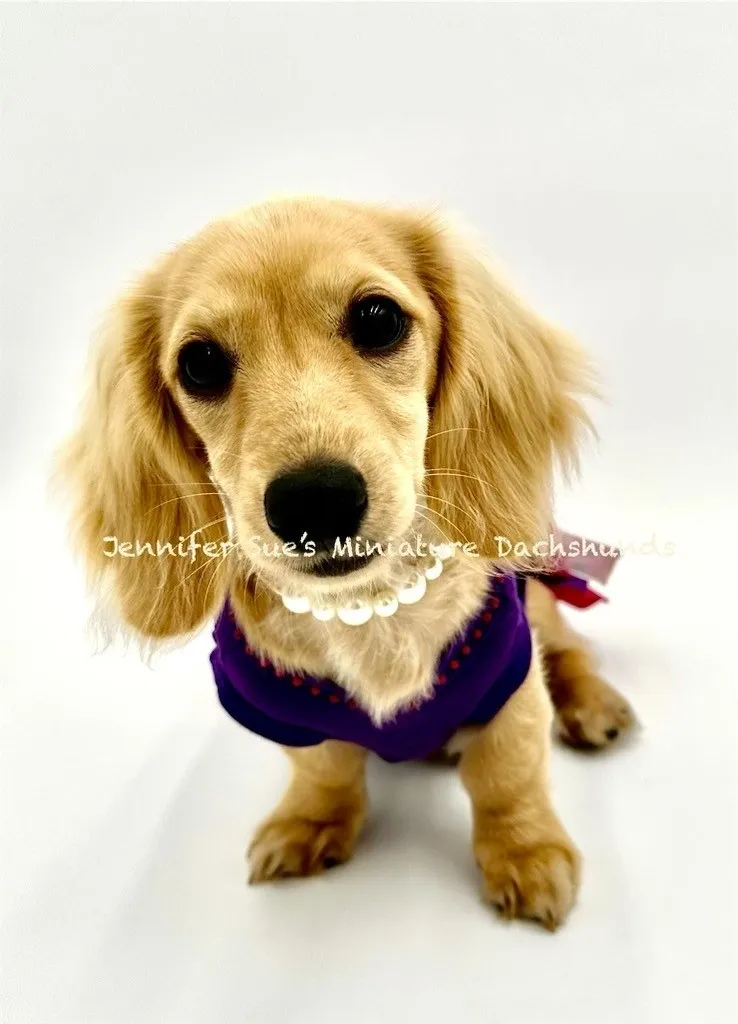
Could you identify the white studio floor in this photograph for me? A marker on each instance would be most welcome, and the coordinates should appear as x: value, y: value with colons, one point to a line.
x: 593, y: 148
x: 128, y: 798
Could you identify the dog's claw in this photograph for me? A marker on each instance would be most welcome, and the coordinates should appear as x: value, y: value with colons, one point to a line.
x: 538, y: 883
x: 297, y: 848
x: 596, y: 719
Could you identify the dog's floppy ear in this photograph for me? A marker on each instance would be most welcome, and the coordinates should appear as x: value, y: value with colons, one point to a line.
x: 506, y: 405
x: 137, y: 473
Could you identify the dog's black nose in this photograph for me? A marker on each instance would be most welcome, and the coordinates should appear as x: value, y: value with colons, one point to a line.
x: 325, y: 500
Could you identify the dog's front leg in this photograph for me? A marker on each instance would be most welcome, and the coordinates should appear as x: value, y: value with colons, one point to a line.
x: 528, y: 862
x: 317, y: 822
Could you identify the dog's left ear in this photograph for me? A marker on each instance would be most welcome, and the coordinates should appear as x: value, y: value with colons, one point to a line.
x: 507, y: 399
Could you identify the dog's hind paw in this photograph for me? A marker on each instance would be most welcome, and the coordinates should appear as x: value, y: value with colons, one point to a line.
x: 594, y: 716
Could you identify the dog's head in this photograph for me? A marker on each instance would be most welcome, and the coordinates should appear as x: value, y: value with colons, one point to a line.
x: 307, y: 371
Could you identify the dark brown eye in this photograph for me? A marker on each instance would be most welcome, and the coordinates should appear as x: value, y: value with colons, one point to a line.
x: 205, y: 370
x: 376, y: 323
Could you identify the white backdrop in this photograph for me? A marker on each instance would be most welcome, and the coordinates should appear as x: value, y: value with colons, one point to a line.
x: 594, y: 148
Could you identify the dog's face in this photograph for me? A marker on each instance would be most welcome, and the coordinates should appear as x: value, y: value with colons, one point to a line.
x: 316, y: 370
x: 300, y: 347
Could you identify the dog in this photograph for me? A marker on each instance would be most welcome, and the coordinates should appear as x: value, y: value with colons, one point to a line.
x: 310, y: 373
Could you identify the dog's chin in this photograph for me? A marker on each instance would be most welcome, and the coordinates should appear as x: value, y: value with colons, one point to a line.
x: 332, y: 574
x: 325, y: 576
x: 336, y: 568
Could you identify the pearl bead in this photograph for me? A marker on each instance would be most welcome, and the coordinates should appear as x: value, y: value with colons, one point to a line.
x: 435, y: 570
x: 442, y: 551
x: 299, y: 605
x: 412, y: 593
x: 386, y: 606
x: 324, y: 614
x: 356, y: 614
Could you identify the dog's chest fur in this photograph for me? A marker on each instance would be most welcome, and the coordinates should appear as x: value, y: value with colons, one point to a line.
x: 387, y: 662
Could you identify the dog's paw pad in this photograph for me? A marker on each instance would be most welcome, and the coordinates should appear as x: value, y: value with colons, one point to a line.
x: 297, y: 848
x: 595, y: 718
x: 538, y: 882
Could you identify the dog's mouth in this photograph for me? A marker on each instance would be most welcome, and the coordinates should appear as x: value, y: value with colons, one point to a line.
x: 336, y: 566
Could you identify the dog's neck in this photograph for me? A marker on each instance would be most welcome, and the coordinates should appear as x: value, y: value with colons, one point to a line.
x: 390, y: 660
x: 360, y: 609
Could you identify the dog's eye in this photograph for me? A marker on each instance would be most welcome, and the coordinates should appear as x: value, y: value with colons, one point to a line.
x: 376, y: 323
x: 204, y: 369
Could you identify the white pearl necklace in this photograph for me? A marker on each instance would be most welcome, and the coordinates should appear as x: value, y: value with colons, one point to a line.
x: 358, y: 612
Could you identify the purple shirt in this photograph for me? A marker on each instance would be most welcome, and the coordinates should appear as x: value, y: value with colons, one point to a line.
x: 475, y: 676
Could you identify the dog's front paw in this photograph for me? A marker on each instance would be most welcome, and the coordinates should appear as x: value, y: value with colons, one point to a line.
x: 594, y: 716
x: 539, y: 881
x: 296, y: 847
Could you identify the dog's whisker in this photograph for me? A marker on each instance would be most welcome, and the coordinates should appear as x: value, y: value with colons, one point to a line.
x: 184, y: 483
x: 479, y: 571
x: 204, y: 565
x: 178, y: 497
x: 215, y: 522
x: 445, y: 519
x: 218, y: 566
x: 434, y: 525
x: 452, y: 430
x: 463, y: 476
x: 435, y: 497
x: 194, y: 572
x: 257, y: 583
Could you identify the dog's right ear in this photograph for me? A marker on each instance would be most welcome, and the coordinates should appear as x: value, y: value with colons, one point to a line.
x: 137, y: 473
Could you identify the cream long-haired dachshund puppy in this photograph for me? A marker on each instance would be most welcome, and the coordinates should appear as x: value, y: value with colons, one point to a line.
x: 313, y: 370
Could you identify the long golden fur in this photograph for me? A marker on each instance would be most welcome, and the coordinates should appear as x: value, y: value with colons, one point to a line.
x: 456, y: 435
